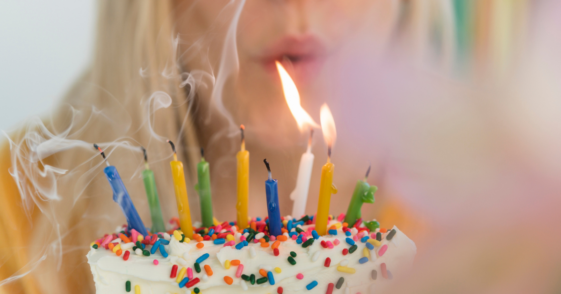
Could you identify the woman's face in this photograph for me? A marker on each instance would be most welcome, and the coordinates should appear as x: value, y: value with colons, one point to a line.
x: 304, y: 35
x: 316, y: 41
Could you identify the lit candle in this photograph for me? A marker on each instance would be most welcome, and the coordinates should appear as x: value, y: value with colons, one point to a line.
x: 121, y: 196
x: 203, y: 188
x: 181, y: 194
x: 152, y: 195
x: 326, y: 187
x: 243, y: 183
x: 300, y: 193
x: 305, y: 121
x: 271, y: 188
x: 364, y: 193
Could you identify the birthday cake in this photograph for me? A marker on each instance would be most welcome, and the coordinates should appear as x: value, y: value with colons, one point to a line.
x: 223, y: 259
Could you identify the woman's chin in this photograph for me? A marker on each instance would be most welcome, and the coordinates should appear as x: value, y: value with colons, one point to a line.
x: 277, y: 133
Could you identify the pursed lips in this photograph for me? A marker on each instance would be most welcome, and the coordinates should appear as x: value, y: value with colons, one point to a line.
x: 301, y: 56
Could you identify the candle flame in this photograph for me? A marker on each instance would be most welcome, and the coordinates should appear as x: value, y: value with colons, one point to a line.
x: 328, y: 126
x: 292, y: 97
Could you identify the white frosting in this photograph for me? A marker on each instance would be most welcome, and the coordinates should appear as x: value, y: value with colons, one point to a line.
x: 111, y: 272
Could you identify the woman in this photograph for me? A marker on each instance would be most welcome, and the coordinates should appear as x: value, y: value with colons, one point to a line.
x: 192, y: 72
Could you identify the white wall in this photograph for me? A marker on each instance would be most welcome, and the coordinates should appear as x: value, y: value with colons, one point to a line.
x: 44, y: 46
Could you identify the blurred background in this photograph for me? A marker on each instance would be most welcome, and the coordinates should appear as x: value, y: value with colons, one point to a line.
x: 45, y: 45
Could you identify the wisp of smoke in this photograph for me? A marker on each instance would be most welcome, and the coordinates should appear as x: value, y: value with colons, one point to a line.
x: 39, y: 181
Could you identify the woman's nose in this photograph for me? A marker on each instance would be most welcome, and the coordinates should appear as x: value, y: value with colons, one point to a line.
x: 300, y: 15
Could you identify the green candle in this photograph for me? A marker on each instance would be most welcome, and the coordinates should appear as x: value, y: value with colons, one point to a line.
x: 364, y: 193
x: 152, y: 194
x: 372, y: 225
x: 203, y: 188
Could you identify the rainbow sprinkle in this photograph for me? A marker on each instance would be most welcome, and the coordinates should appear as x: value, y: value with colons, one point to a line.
x: 227, y: 234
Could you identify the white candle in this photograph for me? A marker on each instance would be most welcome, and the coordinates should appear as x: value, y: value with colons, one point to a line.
x: 300, y: 193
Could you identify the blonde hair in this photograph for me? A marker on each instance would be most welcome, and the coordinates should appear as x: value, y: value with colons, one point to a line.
x: 134, y: 59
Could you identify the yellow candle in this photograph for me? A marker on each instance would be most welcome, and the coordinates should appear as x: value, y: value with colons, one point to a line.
x: 243, y: 184
x: 326, y: 188
x: 181, y: 195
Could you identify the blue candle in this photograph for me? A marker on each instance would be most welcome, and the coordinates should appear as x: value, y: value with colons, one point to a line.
x: 121, y: 196
x: 273, y: 208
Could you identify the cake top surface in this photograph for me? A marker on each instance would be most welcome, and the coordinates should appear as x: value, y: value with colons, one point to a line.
x: 251, y: 260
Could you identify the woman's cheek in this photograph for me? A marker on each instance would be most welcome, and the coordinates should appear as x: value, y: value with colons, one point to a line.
x: 260, y: 24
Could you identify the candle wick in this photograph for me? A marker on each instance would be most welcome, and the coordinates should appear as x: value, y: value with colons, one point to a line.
x: 368, y: 171
x: 310, y: 140
x: 202, y: 153
x: 172, y: 145
x: 145, y: 158
x: 328, y: 153
x: 102, y: 153
x: 173, y: 149
x: 242, y: 132
x: 268, y: 168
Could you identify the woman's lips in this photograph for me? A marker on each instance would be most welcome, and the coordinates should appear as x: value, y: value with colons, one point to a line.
x: 302, y: 57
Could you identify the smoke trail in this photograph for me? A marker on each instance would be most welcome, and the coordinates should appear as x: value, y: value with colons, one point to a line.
x: 40, y: 180
x: 18, y: 275
x: 229, y: 64
x: 157, y: 101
